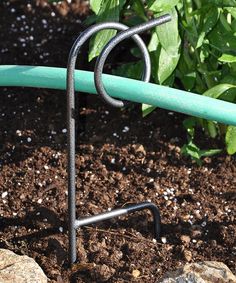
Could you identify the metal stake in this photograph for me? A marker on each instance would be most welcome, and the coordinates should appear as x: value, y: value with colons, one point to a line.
x: 73, y: 222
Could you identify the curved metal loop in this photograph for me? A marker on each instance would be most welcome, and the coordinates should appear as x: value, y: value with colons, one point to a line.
x: 108, y: 48
x: 87, y: 34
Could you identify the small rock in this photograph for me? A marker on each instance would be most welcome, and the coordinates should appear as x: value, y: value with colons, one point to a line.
x: 136, y: 273
x: 185, y: 239
x: 196, y: 234
x: 103, y: 273
x: 201, y: 272
x: 185, y: 217
x: 20, y: 269
x: 83, y: 266
x: 139, y: 149
x: 116, y: 256
x: 197, y: 214
x: 213, y: 243
x: 187, y: 255
x: 156, y: 185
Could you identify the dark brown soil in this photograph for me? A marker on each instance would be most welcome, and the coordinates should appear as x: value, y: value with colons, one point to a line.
x: 121, y: 158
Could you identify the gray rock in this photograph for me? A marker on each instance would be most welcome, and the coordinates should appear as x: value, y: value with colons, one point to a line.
x: 201, y: 272
x: 19, y: 269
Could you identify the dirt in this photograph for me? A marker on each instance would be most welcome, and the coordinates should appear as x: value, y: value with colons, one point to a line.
x: 121, y: 158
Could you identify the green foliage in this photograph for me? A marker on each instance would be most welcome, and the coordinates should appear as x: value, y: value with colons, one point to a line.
x: 230, y: 139
x: 196, y: 153
x: 191, y: 149
x: 164, y: 48
x: 196, y: 51
x: 95, y: 5
x: 107, y: 10
x: 161, y: 5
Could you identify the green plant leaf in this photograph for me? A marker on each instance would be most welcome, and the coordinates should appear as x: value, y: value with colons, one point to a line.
x: 232, y: 11
x: 229, y: 78
x: 167, y: 64
x: 196, y: 154
x: 130, y: 70
x: 224, y: 22
x: 218, y: 90
x: 191, y: 150
x: 212, y: 129
x: 221, y: 39
x: 90, y: 20
x: 95, y: 5
x: 109, y: 11
x: 188, y: 80
x: 222, y: 3
x: 227, y: 58
x: 164, y: 48
x: 168, y: 34
x: 210, y: 20
x: 229, y: 95
x: 154, y: 42
x: 147, y: 109
x: 209, y: 152
x: 189, y: 124
x: 233, y: 25
x: 139, y: 9
x: 158, y: 6
x: 230, y: 139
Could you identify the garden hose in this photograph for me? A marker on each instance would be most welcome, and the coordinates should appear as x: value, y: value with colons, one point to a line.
x: 122, y: 88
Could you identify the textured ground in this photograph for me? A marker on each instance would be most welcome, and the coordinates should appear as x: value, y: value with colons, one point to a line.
x: 121, y: 158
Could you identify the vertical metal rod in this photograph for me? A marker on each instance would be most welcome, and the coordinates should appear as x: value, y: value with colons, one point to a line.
x: 71, y: 161
x: 71, y: 118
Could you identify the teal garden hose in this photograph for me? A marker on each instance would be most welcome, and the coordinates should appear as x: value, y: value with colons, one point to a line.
x: 122, y: 88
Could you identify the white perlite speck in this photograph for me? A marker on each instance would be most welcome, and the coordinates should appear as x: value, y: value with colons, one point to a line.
x: 4, y: 194
x: 163, y: 239
x: 125, y: 130
x: 18, y: 132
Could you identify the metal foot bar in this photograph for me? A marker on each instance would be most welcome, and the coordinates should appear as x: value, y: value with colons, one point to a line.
x: 73, y: 223
x: 121, y: 211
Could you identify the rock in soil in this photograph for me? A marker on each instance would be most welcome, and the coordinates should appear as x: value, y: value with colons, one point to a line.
x: 19, y: 269
x: 102, y: 273
x: 187, y: 255
x: 202, y: 272
x: 185, y: 239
